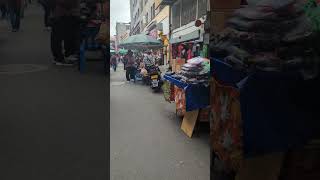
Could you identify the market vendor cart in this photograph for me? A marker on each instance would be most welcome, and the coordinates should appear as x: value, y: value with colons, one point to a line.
x: 191, y: 102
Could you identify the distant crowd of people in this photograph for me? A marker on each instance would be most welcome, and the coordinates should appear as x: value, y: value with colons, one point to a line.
x: 134, y: 61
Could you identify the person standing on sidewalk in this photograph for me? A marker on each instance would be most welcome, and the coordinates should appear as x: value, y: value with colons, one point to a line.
x: 47, y: 6
x: 114, y: 61
x: 15, y: 7
x: 130, y: 66
x: 3, y: 9
x: 65, y: 29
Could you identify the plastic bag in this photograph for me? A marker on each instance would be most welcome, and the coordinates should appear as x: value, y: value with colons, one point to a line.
x: 196, y: 60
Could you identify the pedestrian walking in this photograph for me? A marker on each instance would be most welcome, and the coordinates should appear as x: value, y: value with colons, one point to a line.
x: 3, y: 9
x: 65, y: 29
x: 130, y: 66
x: 48, y: 6
x: 14, y: 7
x: 114, y: 61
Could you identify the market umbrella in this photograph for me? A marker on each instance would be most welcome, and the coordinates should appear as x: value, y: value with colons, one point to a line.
x: 123, y: 51
x: 140, y: 41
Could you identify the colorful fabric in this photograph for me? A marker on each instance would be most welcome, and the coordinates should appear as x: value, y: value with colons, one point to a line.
x: 166, y: 88
x: 226, y: 125
x: 197, y: 96
x: 180, y: 101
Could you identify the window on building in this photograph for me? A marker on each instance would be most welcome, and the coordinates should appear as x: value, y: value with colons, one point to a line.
x: 147, y: 18
x: 188, y: 12
x: 202, y: 8
x: 153, y: 13
x: 176, y: 15
x: 161, y: 7
x: 141, y: 4
x: 145, y: 2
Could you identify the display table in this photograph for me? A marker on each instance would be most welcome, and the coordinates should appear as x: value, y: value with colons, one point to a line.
x: 195, y: 100
x: 197, y: 96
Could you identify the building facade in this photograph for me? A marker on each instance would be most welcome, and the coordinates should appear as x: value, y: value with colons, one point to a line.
x: 136, y: 9
x: 185, y: 34
x: 122, y: 32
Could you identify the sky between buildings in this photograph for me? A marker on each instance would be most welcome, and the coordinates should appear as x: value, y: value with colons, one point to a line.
x: 119, y: 12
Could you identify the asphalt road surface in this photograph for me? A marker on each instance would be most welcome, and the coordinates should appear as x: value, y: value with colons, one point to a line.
x: 53, y: 120
x: 146, y: 141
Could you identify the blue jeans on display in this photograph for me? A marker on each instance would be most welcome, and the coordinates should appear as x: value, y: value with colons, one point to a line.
x: 15, y: 19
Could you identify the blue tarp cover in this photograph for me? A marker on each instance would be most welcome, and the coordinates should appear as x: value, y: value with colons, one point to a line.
x: 197, y: 96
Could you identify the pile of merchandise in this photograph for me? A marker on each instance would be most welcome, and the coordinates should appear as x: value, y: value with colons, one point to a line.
x: 195, y: 71
x: 272, y: 36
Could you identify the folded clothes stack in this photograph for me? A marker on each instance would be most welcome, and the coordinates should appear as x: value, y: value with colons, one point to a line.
x: 195, y: 71
x: 272, y: 36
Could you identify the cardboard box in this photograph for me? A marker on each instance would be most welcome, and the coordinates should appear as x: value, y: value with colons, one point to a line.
x: 219, y: 20
x: 224, y: 4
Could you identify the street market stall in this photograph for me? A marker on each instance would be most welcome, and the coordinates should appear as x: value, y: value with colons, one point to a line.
x: 190, y: 90
x: 264, y: 72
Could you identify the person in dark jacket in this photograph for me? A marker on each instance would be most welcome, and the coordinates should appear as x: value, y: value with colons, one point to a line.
x: 48, y: 6
x: 130, y: 66
x: 14, y: 7
x: 3, y: 9
x: 65, y: 29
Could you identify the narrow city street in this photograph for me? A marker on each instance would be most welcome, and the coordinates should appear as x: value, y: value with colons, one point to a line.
x: 53, y: 119
x: 146, y: 140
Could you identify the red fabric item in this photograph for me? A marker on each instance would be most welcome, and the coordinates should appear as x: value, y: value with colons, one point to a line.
x: 189, y: 52
x: 180, y: 48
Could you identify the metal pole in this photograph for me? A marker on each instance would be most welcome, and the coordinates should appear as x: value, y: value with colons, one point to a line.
x: 169, y: 48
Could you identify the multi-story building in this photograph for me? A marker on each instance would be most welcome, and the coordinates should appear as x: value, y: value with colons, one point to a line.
x: 157, y: 24
x: 185, y: 33
x: 122, y: 32
x: 136, y: 8
x: 142, y: 13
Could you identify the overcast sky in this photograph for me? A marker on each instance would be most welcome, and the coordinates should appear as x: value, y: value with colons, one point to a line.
x: 119, y: 12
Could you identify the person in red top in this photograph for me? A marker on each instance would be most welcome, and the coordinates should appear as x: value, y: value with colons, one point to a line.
x: 114, y: 61
x: 14, y: 7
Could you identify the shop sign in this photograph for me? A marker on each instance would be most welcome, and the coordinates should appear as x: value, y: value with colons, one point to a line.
x: 187, y: 37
